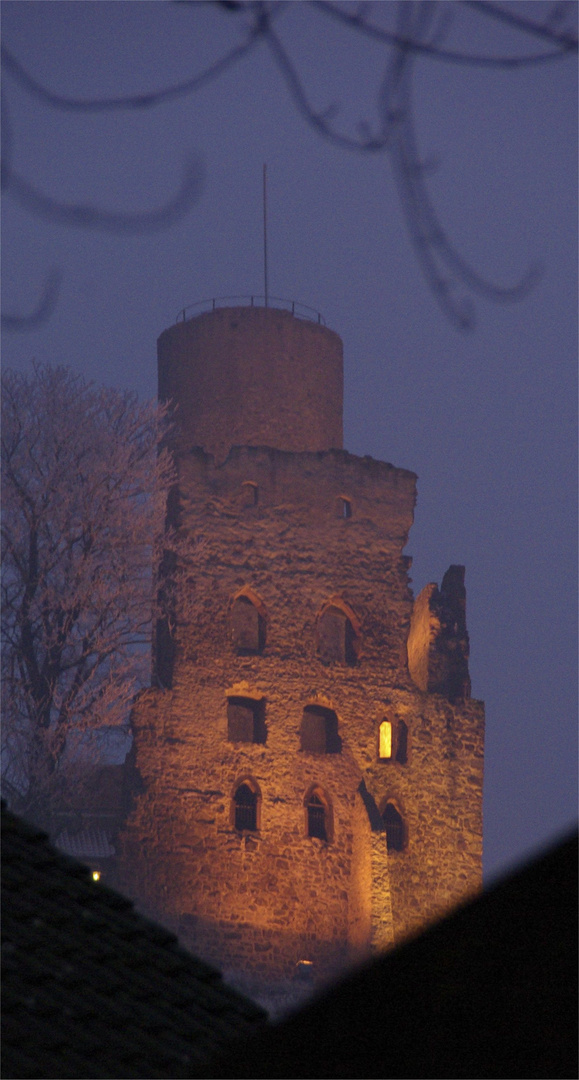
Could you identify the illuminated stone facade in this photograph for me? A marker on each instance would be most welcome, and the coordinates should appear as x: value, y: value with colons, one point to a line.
x: 266, y: 827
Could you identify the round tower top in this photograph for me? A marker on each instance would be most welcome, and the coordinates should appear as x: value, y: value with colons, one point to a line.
x: 252, y: 376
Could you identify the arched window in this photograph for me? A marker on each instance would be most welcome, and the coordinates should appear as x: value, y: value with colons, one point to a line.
x: 385, y: 746
x: 393, y: 741
x: 173, y: 513
x: 395, y: 831
x: 245, y: 803
x: 318, y: 814
x: 249, y: 493
x: 337, y: 640
x: 343, y: 507
x: 164, y: 654
x: 319, y: 731
x: 401, y: 743
x: 246, y: 720
x: 247, y: 625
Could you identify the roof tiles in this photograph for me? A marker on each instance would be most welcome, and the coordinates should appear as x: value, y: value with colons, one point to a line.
x: 91, y: 988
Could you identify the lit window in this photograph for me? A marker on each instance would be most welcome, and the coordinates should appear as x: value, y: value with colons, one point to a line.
x: 385, y: 739
x: 96, y: 875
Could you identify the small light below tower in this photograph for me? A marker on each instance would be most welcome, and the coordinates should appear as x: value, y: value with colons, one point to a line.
x: 96, y: 875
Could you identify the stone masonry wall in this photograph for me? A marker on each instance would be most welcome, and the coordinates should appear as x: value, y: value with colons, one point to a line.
x: 318, y: 528
x: 252, y: 376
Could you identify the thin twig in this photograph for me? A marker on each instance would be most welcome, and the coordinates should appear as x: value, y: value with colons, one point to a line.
x: 132, y: 101
x: 435, y: 52
x: 89, y: 217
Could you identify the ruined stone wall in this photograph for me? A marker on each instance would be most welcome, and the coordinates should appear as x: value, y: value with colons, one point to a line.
x: 296, y: 550
x: 439, y: 795
x: 298, y: 531
x: 438, y: 645
x: 253, y: 902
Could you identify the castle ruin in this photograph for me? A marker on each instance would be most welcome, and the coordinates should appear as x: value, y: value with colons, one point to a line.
x: 308, y: 763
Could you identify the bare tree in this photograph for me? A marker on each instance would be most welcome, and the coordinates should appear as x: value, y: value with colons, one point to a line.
x: 84, y: 489
x: 419, y: 30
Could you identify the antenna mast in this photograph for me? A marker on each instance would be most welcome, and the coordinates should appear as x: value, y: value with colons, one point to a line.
x: 265, y: 233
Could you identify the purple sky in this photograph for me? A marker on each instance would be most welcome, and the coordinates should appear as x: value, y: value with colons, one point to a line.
x: 487, y: 420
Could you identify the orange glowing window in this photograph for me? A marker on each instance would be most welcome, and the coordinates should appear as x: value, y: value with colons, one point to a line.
x: 385, y: 749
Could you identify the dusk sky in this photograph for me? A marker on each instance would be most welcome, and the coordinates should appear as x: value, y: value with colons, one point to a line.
x: 487, y: 418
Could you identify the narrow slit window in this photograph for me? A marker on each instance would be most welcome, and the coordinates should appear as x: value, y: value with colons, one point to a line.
x: 318, y: 815
x: 395, y: 838
x: 247, y: 627
x: 245, y: 804
x: 402, y: 743
x: 343, y: 507
x: 385, y: 751
x: 317, y: 818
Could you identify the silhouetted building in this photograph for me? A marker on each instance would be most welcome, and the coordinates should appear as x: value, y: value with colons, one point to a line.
x: 91, y: 988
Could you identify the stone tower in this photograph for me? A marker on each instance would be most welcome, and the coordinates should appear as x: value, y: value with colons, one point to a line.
x: 308, y: 763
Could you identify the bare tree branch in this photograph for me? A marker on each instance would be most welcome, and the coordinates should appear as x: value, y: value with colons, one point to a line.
x: 85, y: 216
x: 443, y: 268
x: 567, y: 42
x: 131, y: 101
x: 356, y: 21
x: 41, y: 313
x: 84, y: 492
x: 415, y: 35
x: 319, y: 121
x: 90, y: 217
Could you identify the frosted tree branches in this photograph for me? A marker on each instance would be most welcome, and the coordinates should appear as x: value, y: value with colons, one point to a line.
x: 84, y: 490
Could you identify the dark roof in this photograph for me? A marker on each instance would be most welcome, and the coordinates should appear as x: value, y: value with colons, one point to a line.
x: 491, y: 991
x: 92, y: 989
